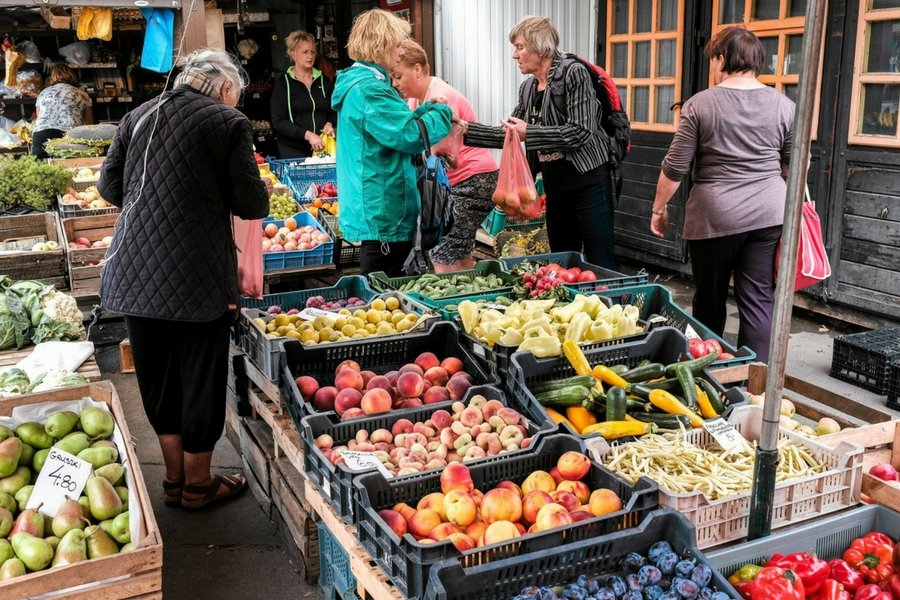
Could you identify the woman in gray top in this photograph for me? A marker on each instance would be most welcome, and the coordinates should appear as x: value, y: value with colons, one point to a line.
x: 738, y: 135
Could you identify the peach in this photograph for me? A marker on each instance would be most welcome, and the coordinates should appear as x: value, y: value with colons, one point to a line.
x: 324, y: 441
x: 412, y: 368
x: 410, y: 385
x: 532, y: 502
x: 435, y: 463
x: 476, y: 495
x: 456, y: 476
x: 501, y: 504
x: 520, y: 527
x: 532, y: 529
x: 347, y: 364
x: 365, y: 447
x: 447, y: 437
x: 476, y: 529
x: 401, y: 426
x: 577, y: 488
x: 462, y: 541
x: 471, y: 416
x: 460, y: 508
x: 490, y: 408
x: 567, y: 500
x: 307, y: 386
x: 361, y: 436
x: 437, y: 376
x: 539, y: 480
x: 435, y: 394
x: 270, y: 231
x: 580, y: 515
x: 347, y: 398
x: 408, y: 403
x: 500, y: 531
x: 604, y: 501
x: 407, y: 471
x: 375, y: 401
x: 352, y: 413
x: 367, y: 376
x: 458, y: 386
x: 474, y: 453
x: 381, y: 435
x: 435, y: 502
x: 554, y: 472
x: 378, y: 381
x: 324, y: 398
x: 441, y: 419
x: 526, y: 443
x: 383, y: 447
x: 452, y: 365
x: 395, y: 521
x: 458, y: 428
x: 573, y: 465
x: 426, y: 360
x: 348, y: 378
x: 510, y: 416
x: 552, y: 515
x: 391, y: 376
x: 512, y: 486
x: 443, y: 531
x: 404, y: 509
x: 423, y: 521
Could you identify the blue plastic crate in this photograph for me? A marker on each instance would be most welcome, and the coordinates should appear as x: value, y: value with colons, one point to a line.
x: 293, y: 259
x: 335, y: 577
x: 298, y: 176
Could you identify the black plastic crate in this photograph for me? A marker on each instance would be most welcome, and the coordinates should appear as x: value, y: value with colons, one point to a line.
x: 408, y: 562
x: 664, y: 345
x: 373, y: 354
x: 560, y: 566
x: 346, y: 254
x: 893, y: 392
x: 606, y: 278
x: 864, y: 359
x: 336, y: 481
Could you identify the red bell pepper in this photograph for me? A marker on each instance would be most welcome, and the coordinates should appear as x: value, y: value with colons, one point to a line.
x: 879, y: 537
x: 831, y: 590
x: 775, y: 583
x: 846, y: 575
x: 871, y: 592
x: 811, y: 569
x: 894, y: 586
x: 872, y: 557
x: 745, y: 589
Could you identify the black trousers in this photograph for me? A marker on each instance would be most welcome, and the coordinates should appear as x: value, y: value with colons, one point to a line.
x: 750, y: 258
x: 40, y: 138
x: 383, y: 256
x: 182, y: 370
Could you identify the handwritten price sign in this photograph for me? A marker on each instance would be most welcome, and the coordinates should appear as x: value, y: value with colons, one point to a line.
x: 63, y: 476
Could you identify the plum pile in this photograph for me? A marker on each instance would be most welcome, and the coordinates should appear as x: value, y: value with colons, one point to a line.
x: 320, y: 303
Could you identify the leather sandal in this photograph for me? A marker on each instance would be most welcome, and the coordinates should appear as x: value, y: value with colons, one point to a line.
x: 172, y: 491
x: 235, y: 484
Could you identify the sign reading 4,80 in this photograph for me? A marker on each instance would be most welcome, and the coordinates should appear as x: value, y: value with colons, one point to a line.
x: 62, y: 476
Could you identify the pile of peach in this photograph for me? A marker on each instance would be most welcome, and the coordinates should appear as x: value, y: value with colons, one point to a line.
x: 469, y: 518
x: 483, y: 428
x: 357, y: 393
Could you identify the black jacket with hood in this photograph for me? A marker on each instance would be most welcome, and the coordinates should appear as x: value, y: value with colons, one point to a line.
x: 297, y: 109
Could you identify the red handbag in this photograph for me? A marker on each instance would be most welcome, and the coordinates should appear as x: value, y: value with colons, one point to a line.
x: 812, y: 260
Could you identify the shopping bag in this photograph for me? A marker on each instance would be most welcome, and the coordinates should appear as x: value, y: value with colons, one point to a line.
x: 449, y: 147
x: 515, y: 193
x: 158, y: 39
x: 248, y: 239
x: 812, y: 259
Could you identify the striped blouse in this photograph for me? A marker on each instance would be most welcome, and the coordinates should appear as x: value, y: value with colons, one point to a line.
x: 578, y: 136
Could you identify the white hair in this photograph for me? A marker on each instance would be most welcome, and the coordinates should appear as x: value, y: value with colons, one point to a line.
x: 215, y: 65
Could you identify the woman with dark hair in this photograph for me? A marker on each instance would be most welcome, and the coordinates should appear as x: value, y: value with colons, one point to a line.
x: 738, y: 137
x: 61, y: 105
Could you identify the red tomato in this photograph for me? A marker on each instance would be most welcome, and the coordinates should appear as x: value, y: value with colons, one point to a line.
x: 576, y: 271
x: 725, y: 355
x: 553, y: 267
x: 697, y: 347
x: 587, y: 276
x: 567, y: 276
x: 712, y: 344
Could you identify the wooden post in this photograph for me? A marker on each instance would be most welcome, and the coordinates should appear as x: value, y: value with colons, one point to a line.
x: 190, y: 27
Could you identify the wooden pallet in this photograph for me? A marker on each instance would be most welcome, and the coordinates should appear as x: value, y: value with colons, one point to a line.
x: 126, y: 360
x: 89, y: 368
x: 266, y: 386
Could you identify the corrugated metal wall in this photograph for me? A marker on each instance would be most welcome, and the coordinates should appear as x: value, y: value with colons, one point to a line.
x: 476, y: 56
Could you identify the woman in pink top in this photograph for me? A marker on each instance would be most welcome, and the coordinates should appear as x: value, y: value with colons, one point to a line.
x: 473, y: 172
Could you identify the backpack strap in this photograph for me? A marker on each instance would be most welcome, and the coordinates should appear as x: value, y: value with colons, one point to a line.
x: 424, y: 133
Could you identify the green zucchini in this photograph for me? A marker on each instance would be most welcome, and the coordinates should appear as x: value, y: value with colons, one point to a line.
x: 688, y: 391
x: 558, y: 384
x: 634, y: 404
x: 665, y: 420
x: 715, y: 399
x: 572, y: 395
x: 618, y: 369
x: 643, y: 389
x: 644, y: 373
x: 596, y: 405
x: 694, y: 364
x: 615, y: 403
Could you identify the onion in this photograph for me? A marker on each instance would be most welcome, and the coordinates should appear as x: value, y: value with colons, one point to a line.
x: 884, y: 471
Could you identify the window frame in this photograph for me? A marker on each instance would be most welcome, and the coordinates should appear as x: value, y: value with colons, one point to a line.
x: 652, y: 82
x: 865, y: 17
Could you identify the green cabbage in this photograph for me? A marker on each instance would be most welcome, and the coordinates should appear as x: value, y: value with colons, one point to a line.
x: 14, y: 322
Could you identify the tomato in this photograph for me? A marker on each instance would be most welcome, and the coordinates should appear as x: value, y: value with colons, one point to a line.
x: 567, y: 276
x: 697, y: 347
x: 576, y: 271
x: 712, y: 344
x: 587, y: 276
x: 725, y: 356
x: 553, y: 267
x: 329, y: 190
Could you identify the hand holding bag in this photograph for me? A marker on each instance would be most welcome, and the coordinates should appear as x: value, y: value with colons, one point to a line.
x: 515, y: 193
x: 812, y: 259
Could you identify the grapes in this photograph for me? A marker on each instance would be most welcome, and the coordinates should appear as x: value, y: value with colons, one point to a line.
x: 281, y: 207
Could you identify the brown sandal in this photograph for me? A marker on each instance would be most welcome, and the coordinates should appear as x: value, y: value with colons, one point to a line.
x: 172, y: 491
x: 234, y: 483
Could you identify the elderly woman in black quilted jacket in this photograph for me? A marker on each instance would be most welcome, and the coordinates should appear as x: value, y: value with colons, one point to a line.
x: 179, y: 167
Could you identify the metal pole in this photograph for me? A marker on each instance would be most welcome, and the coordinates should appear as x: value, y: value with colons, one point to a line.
x: 763, y: 494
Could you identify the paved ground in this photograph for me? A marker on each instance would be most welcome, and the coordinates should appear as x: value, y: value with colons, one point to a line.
x: 235, y: 552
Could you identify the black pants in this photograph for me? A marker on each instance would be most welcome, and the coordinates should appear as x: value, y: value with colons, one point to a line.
x: 182, y: 370
x: 383, y: 256
x: 750, y: 257
x: 39, y: 138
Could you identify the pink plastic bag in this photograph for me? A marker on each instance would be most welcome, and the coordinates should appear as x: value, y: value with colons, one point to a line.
x: 515, y: 193
x: 812, y: 259
x: 450, y: 146
x: 248, y: 239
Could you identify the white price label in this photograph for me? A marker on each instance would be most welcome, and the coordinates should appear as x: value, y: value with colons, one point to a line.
x: 690, y: 333
x: 479, y: 350
x: 63, y: 476
x: 495, y: 306
x: 361, y: 461
x: 725, y: 434
x: 310, y: 314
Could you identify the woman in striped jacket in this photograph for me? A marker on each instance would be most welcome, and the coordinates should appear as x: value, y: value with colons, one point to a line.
x: 568, y: 149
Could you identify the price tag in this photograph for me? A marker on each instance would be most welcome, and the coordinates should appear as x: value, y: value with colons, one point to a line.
x: 63, y: 476
x: 495, y: 306
x: 690, y: 333
x: 310, y: 314
x: 361, y: 461
x: 479, y: 350
x: 725, y: 434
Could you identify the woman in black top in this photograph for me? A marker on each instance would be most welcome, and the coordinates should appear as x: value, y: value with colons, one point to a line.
x: 301, y: 101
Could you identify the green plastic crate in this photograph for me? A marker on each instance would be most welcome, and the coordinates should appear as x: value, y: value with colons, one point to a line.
x: 380, y: 281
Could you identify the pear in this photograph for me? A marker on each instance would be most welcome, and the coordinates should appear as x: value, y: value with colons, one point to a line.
x: 72, y: 549
x: 97, y: 422
x: 22, y: 496
x: 127, y: 548
x: 74, y: 443
x: 104, y: 444
x: 121, y: 530
x: 29, y: 521
x: 112, y: 472
x: 99, y: 543
x: 15, y: 482
x: 35, y: 552
x: 99, y: 457
x: 69, y: 516
x: 10, y: 451
x: 40, y: 457
x: 85, y: 505
x: 6, y: 551
x: 105, y: 502
x: 27, y: 456
x: 60, y: 423
x: 53, y: 541
x: 12, y: 567
x: 33, y: 434
x: 107, y: 526
x: 6, y: 525
x: 8, y: 502
x: 122, y: 491
x: 6, y: 433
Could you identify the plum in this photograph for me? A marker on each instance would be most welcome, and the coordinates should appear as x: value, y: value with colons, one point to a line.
x: 650, y: 575
x: 701, y: 575
x: 274, y: 310
x: 658, y: 549
x: 574, y: 592
x: 617, y: 585
x: 652, y: 592
x: 633, y: 561
x: 666, y: 562
x: 685, y: 567
x: 685, y: 587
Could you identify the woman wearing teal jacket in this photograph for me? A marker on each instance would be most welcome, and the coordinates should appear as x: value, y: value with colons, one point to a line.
x: 379, y: 137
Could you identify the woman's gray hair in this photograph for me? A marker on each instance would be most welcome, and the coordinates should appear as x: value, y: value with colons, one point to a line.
x: 539, y: 35
x: 215, y: 65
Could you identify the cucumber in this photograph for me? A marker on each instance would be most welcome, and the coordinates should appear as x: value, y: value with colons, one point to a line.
x: 573, y: 395
x: 688, y: 391
x: 694, y: 364
x: 644, y: 373
x: 557, y: 384
x: 664, y: 420
x: 715, y: 399
x: 615, y: 404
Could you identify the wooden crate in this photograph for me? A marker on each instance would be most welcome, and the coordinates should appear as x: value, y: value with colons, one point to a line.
x: 89, y: 368
x: 57, y: 17
x: 49, y: 265
x: 136, y: 574
x: 84, y: 277
x: 126, y: 360
x: 93, y: 162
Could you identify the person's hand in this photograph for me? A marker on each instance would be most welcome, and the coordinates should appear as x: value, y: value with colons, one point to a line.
x: 315, y: 141
x: 659, y: 222
x: 518, y: 124
x: 328, y: 129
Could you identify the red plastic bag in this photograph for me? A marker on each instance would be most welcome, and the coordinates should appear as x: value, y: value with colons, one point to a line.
x: 450, y: 146
x: 515, y: 193
x: 248, y: 239
x: 812, y: 259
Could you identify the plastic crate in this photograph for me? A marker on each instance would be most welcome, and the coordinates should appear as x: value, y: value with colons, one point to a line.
x: 494, y: 222
x: 298, y: 176
x: 893, y: 393
x: 379, y: 354
x: 296, y: 216
x: 336, y: 481
x: 294, y: 259
x: 408, y: 562
x: 346, y: 254
x: 70, y: 211
x: 655, y: 300
x: 664, y: 345
x: 726, y: 519
x: 827, y: 538
x: 265, y: 352
x: 607, y: 278
x: 447, y: 307
x: 864, y: 359
x: 563, y: 565
x: 335, y: 578
x: 484, y: 267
